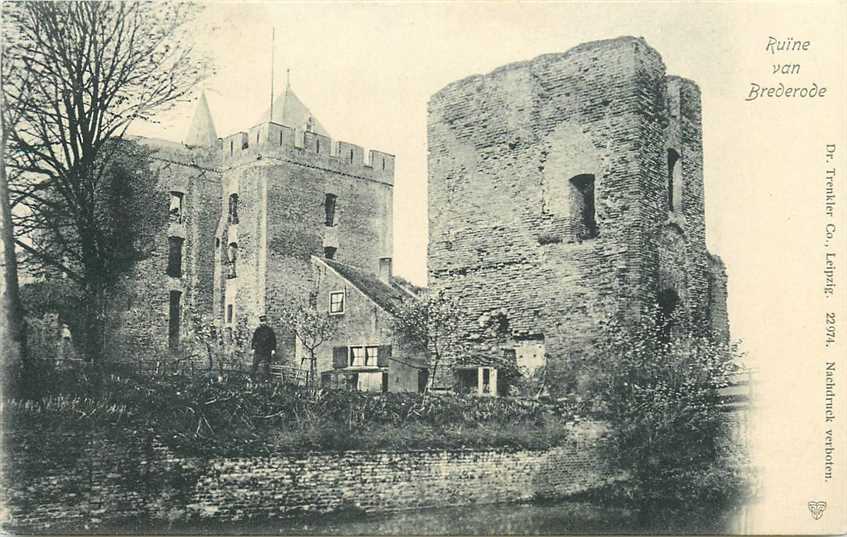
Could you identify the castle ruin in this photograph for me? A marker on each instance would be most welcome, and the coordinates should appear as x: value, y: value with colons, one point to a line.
x: 565, y: 189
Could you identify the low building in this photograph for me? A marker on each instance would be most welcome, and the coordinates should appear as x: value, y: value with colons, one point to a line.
x: 365, y: 353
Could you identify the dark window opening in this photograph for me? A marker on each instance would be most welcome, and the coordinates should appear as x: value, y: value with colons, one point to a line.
x: 486, y: 380
x: 257, y: 138
x: 174, y: 257
x: 245, y: 143
x: 329, y: 209
x: 232, y: 257
x: 668, y: 303
x: 175, y: 209
x: 280, y: 138
x: 383, y: 164
x: 351, y: 155
x: 174, y: 320
x: 329, y: 252
x: 466, y: 380
x: 217, y: 242
x: 423, y: 380
x: 583, y: 185
x: 231, y: 147
x: 318, y: 145
x: 233, y: 208
x: 673, y: 158
x: 384, y: 381
x: 229, y: 313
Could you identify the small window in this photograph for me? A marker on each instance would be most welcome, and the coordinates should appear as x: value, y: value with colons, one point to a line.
x: 351, y: 155
x: 174, y: 320
x: 357, y: 356
x: 174, y: 257
x: 336, y: 302
x: 175, y: 209
x: 217, y: 242
x: 229, y: 313
x: 674, y: 180
x: 371, y: 354
x: 329, y: 252
x: 233, y: 208
x: 231, y: 148
x: 329, y: 209
x: 583, y: 206
x: 232, y: 257
x: 318, y: 145
x: 257, y: 138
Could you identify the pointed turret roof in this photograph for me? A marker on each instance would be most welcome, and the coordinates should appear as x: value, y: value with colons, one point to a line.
x: 202, y: 130
x: 290, y: 111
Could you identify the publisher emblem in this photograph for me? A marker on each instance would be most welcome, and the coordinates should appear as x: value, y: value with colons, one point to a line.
x: 817, y: 509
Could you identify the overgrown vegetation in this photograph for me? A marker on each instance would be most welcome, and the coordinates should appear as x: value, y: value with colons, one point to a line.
x: 662, y: 402
x: 235, y: 416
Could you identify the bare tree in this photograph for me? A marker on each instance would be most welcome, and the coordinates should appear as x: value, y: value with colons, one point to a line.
x: 311, y: 327
x: 82, y: 73
x: 432, y: 324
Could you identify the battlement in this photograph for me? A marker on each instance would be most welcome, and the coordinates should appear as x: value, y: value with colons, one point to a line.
x: 274, y: 140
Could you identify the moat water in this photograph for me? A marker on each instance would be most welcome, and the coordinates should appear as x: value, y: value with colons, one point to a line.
x: 503, y: 519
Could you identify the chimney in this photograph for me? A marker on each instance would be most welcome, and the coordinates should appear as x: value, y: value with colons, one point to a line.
x: 385, y: 272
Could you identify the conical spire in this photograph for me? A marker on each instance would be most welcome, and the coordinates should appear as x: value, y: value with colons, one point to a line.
x: 202, y: 130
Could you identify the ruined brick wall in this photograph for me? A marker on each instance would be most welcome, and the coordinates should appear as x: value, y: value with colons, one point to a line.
x: 138, y: 327
x: 508, y: 233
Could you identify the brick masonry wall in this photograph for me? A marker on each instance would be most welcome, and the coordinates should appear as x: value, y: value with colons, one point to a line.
x: 505, y: 224
x: 138, y: 326
x: 59, y: 483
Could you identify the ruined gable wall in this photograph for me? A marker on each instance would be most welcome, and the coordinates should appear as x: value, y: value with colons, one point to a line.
x: 137, y: 328
x: 502, y: 150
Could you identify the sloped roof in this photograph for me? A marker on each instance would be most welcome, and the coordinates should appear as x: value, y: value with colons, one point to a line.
x: 201, y: 132
x: 388, y: 297
x: 290, y: 111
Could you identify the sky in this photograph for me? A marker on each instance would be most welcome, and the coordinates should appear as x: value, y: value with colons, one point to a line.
x: 367, y: 71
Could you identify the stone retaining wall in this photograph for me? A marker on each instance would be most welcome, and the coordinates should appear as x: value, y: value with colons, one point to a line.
x: 60, y: 485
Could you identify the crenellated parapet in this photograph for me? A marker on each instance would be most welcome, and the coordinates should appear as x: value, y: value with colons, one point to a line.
x: 275, y: 141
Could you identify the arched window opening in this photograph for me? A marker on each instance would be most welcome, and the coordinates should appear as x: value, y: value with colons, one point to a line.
x: 668, y: 304
x: 233, y: 208
x: 674, y: 180
x: 329, y: 252
x: 232, y: 257
x: 582, y: 193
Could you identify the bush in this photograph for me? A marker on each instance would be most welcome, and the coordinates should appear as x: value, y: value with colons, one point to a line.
x: 236, y: 416
x: 662, y: 403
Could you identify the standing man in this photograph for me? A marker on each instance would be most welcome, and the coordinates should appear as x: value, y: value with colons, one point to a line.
x: 263, y: 346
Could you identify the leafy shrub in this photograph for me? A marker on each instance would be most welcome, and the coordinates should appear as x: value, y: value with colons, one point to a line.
x: 662, y: 401
x: 236, y: 416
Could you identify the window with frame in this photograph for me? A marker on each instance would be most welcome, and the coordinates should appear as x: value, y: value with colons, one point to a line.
x: 357, y: 356
x: 336, y: 302
x: 367, y: 356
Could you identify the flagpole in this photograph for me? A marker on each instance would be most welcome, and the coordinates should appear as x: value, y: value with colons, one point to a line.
x: 273, y: 43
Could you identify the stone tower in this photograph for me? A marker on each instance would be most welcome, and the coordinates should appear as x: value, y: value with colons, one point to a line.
x: 239, y: 220
x: 566, y: 188
x: 289, y: 192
